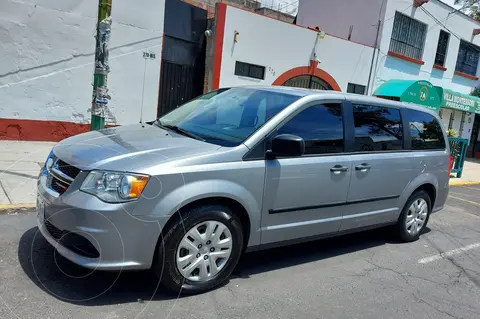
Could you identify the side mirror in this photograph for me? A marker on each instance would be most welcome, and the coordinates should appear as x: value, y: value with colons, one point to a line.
x: 287, y: 145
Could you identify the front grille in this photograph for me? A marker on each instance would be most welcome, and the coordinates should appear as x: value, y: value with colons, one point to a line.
x: 53, y: 231
x: 59, y: 174
x: 67, y: 169
x: 58, y: 185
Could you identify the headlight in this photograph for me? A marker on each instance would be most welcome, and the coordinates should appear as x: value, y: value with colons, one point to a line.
x: 114, y: 187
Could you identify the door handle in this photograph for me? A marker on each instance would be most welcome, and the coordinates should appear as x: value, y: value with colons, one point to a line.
x: 338, y: 168
x: 362, y: 167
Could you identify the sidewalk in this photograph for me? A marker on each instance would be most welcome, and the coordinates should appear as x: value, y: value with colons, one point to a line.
x: 20, y: 164
x: 470, y: 175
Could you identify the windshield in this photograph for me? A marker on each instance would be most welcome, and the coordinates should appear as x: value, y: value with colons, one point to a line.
x: 228, y: 116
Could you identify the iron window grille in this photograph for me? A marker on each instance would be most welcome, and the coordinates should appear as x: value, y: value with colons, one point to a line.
x: 408, y: 36
x: 467, y: 60
x: 250, y: 70
x: 442, y: 48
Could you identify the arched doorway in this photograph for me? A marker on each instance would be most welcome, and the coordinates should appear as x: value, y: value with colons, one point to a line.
x: 308, y: 77
x: 308, y: 82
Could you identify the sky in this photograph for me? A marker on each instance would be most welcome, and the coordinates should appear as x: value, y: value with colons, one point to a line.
x: 450, y: 2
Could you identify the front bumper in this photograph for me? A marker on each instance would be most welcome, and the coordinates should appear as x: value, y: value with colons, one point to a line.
x: 115, y: 239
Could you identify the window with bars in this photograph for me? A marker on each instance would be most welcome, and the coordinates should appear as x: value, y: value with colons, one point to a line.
x: 408, y: 36
x: 442, y: 48
x: 250, y: 70
x: 467, y: 59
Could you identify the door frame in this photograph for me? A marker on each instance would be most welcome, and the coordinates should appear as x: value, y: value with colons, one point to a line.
x: 259, y: 150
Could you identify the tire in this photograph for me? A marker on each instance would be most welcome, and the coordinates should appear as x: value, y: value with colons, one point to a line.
x: 401, y: 229
x: 165, y: 265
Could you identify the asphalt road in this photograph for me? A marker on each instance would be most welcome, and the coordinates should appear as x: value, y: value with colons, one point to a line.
x: 366, y: 275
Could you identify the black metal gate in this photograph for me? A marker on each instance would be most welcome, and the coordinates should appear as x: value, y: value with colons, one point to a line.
x: 182, y: 70
x: 178, y: 85
x: 308, y: 82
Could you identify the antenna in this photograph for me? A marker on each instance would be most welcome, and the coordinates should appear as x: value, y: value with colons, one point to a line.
x: 350, y: 32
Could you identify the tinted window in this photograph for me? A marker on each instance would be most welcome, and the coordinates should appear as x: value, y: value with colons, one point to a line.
x: 467, y: 60
x: 321, y: 126
x: 250, y: 70
x: 229, y: 117
x: 425, y: 131
x: 356, y: 88
x: 377, y: 128
x: 442, y: 48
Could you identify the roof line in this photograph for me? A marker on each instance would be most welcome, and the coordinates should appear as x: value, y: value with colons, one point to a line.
x: 454, y: 10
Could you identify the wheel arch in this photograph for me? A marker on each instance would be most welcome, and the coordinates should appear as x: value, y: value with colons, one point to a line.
x: 236, y: 207
x: 430, y: 190
x: 427, y: 182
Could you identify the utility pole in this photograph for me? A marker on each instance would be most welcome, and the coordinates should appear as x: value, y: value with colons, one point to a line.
x: 100, y: 95
x: 373, y: 58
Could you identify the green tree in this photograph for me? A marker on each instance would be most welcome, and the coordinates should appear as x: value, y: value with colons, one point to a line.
x: 469, y: 7
x: 476, y: 91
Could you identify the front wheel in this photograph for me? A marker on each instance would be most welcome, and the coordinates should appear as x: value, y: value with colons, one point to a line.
x: 414, y: 216
x: 200, y: 250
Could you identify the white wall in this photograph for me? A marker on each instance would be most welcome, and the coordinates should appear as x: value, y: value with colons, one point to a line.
x: 46, y: 67
x: 281, y: 46
x: 336, y: 16
x: 394, y: 68
x: 468, y: 125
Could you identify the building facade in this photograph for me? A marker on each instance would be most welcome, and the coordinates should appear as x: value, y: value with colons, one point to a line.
x: 250, y: 49
x: 47, y: 66
x: 418, y: 40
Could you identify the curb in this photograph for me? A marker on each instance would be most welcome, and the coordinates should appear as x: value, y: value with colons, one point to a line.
x: 5, y: 208
x: 462, y: 183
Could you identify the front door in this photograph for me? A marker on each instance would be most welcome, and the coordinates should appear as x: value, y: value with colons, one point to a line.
x: 380, y: 168
x: 305, y: 196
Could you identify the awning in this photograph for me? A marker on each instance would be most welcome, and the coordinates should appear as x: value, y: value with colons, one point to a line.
x: 458, y: 101
x: 418, y: 92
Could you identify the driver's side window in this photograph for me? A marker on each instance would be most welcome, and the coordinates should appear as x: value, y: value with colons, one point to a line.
x: 320, y: 126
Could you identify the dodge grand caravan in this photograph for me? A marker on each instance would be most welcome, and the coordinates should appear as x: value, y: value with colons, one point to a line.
x: 236, y: 170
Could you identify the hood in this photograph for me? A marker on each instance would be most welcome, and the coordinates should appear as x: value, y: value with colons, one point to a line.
x: 128, y: 148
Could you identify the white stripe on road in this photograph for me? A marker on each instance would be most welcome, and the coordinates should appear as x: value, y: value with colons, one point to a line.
x: 448, y: 253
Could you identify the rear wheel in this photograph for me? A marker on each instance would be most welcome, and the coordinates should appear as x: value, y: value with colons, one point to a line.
x: 200, y: 250
x: 414, y: 217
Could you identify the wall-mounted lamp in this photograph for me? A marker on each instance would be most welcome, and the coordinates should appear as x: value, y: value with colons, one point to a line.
x: 235, y: 36
x: 419, y: 3
x: 208, y: 33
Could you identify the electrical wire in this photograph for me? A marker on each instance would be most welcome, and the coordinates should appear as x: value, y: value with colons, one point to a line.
x: 288, y: 5
x: 439, y: 22
x: 474, y: 47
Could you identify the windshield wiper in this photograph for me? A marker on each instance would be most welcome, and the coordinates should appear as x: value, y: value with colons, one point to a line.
x: 180, y: 131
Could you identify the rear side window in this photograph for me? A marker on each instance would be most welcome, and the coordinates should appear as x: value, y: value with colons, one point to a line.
x: 425, y: 131
x: 320, y: 126
x: 377, y: 128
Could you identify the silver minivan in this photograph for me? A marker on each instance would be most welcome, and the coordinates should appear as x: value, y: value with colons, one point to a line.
x: 241, y: 169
